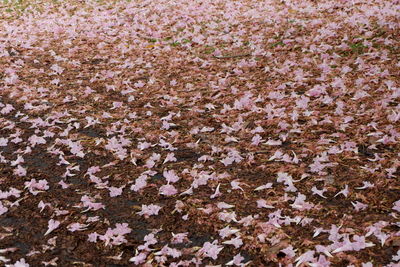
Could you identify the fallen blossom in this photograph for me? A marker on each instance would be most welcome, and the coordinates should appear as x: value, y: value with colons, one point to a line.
x: 262, y: 203
x: 171, y: 176
x: 168, y: 190
x: 237, y: 261
x: 263, y: 187
x: 52, y: 225
x: 236, y: 242
x: 149, y: 210
x: 37, y: 186
x: 210, y: 250
x: 138, y: 259
x: 179, y: 238
x: 227, y: 231
x: 19, y: 263
x: 3, y: 209
x: 115, y: 191
x: 77, y: 227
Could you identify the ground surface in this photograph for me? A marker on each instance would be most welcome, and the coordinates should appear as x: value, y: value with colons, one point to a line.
x: 184, y: 133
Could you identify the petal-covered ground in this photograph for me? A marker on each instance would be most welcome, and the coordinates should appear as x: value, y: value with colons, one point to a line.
x: 200, y: 133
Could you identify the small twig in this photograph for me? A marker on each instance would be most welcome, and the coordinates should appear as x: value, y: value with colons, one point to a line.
x: 148, y: 38
x: 233, y: 56
x: 262, y: 152
x: 140, y: 78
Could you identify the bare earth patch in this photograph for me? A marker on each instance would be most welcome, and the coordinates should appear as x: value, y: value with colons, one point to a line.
x: 200, y: 133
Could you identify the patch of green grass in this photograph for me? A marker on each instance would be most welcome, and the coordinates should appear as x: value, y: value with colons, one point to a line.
x: 357, y: 46
x: 175, y: 44
x: 17, y: 6
x: 277, y: 44
x: 209, y: 50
